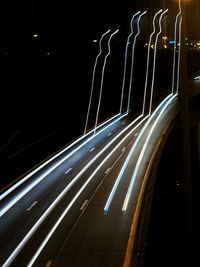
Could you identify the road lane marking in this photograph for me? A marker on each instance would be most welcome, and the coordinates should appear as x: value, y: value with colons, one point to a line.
x: 123, y: 122
x: 69, y: 170
x: 109, y: 134
x: 84, y: 204
x: 123, y: 149
x: 130, y: 142
x: 32, y: 205
x: 107, y: 171
x: 92, y: 149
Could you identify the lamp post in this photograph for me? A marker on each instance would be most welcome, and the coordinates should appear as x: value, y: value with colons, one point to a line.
x: 185, y: 132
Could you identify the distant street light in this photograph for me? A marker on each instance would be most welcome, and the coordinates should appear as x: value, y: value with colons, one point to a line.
x: 35, y: 35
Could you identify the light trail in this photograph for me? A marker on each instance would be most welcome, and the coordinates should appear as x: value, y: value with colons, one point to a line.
x: 125, y: 63
x: 76, y: 197
x: 179, y: 56
x: 62, y: 194
x: 121, y: 173
x: 132, y: 62
x: 93, y: 76
x: 175, y: 45
x: 148, y: 55
x: 102, y: 78
x: 13, y: 201
x: 143, y: 151
x: 154, y: 59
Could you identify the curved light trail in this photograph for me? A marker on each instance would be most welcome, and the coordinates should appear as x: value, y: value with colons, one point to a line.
x: 125, y: 63
x: 102, y: 77
x: 179, y: 56
x: 62, y: 194
x: 133, y: 55
x: 34, y: 258
x: 13, y: 201
x: 125, y: 164
x: 148, y: 55
x: 93, y: 76
x: 175, y: 45
x: 136, y: 169
x: 154, y: 59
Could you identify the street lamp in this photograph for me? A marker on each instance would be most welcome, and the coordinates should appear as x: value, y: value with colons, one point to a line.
x: 185, y: 125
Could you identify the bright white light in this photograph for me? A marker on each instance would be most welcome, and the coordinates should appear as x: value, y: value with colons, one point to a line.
x: 76, y: 197
x: 175, y: 42
x: 154, y: 59
x: 148, y: 55
x: 102, y: 77
x: 117, y: 181
x: 93, y: 76
x: 133, y: 55
x: 41, y: 177
x: 179, y: 57
x: 56, y: 201
x: 125, y: 164
x: 142, y: 153
x: 125, y: 63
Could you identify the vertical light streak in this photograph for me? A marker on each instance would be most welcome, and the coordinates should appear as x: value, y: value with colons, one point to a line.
x: 133, y: 55
x: 148, y: 55
x: 125, y: 63
x: 102, y: 77
x: 154, y: 59
x: 175, y: 45
x: 125, y: 164
x: 139, y: 161
x: 93, y: 76
x: 179, y: 57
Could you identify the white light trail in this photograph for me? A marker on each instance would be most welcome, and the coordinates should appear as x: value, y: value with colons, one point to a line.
x: 93, y: 76
x: 148, y: 55
x: 75, y: 198
x: 175, y: 45
x: 133, y: 55
x: 117, y: 181
x: 154, y: 59
x: 143, y: 151
x: 102, y: 78
x: 7, y: 192
x: 84, y: 204
x: 125, y: 63
x: 13, y: 201
x: 56, y: 201
x: 121, y: 173
x: 179, y: 56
